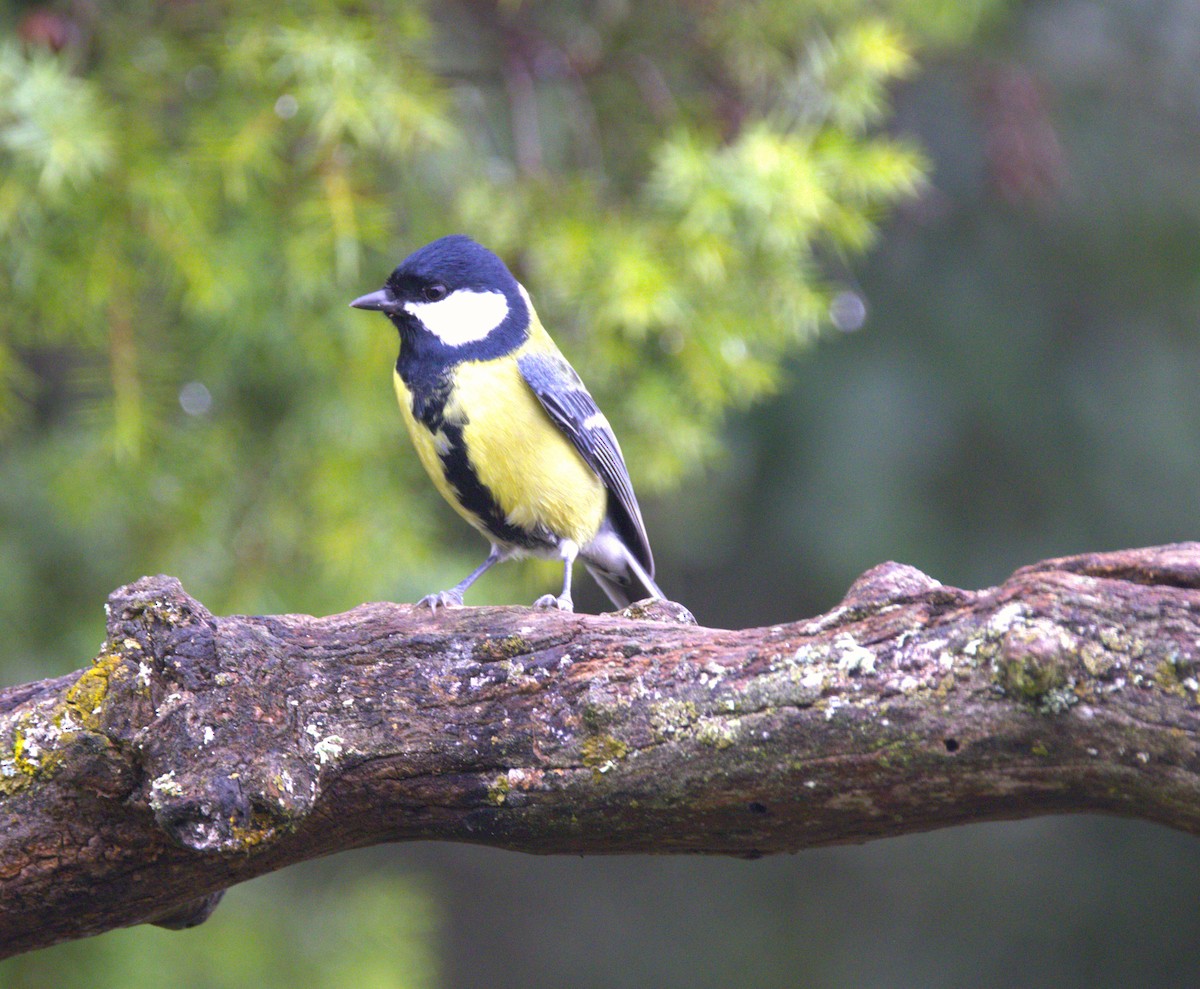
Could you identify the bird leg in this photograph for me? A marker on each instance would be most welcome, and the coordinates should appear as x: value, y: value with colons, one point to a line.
x: 568, y: 550
x: 453, y: 598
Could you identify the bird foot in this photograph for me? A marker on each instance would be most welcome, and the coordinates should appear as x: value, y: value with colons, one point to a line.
x: 442, y: 599
x: 547, y: 601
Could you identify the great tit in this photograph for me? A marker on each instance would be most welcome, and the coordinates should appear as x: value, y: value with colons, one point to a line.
x: 505, y: 428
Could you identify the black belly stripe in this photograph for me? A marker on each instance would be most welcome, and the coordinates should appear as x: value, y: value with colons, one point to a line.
x: 476, y: 497
x: 428, y: 399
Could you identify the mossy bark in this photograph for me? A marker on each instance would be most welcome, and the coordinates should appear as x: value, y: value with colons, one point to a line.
x: 196, y: 752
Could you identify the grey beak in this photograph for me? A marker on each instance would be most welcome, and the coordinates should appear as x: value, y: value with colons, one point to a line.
x: 376, y: 300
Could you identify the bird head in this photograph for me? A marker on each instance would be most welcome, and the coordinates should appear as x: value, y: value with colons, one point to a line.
x: 453, y: 293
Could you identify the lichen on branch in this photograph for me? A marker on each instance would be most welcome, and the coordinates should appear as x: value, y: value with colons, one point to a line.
x: 198, y: 751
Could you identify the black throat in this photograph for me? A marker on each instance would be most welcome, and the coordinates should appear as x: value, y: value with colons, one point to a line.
x: 426, y: 363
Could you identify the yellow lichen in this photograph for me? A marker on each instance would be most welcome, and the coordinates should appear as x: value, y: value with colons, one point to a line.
x: 671, y: 716
x: 84, y: 699
x: 42, y: 734
x: 248, y: 837
x: 1166, y: 675
x: 717, y: 732
x: 1097, y: 660
x: 492, y: 650
x: 497, y: 791
x: 25, y: 759
x: 602, y: 753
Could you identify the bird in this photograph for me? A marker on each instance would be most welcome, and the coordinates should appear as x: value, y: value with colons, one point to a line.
x: 505, y: 428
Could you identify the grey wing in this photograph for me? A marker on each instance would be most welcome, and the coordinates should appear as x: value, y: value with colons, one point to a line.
x: 567, y: 402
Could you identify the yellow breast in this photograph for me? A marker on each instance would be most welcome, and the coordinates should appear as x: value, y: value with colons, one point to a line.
x: 531, y: 469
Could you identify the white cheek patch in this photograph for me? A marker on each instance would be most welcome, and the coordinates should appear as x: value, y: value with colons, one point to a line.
x: 464, y: 316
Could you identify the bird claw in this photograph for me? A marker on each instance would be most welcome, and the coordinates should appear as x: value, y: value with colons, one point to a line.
x: 442, y: 599
x: 548, y: 601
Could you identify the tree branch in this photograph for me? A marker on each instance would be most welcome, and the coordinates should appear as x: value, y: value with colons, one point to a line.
x: 196, y: 752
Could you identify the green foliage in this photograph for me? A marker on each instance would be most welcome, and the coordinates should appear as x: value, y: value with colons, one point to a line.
x: 190, y: 194
x: 52, y: 130
x: 373, y: 932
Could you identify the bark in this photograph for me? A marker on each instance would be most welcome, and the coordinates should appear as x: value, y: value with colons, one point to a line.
x: 196, y: 752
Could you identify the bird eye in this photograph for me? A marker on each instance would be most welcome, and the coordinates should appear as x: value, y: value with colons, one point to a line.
x: 435, y: 292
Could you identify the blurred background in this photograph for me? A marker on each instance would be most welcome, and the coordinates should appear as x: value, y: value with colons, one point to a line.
x: 855, y: 280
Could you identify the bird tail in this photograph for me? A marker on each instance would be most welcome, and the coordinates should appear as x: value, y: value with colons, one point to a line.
x: 623, y: 589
